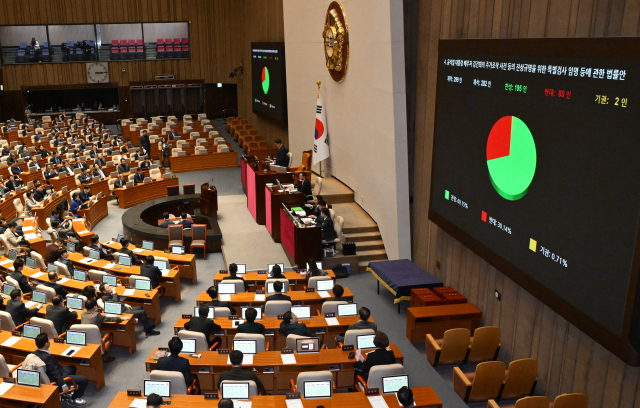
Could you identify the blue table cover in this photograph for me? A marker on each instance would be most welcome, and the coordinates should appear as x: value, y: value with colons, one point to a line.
x: 401, y: 276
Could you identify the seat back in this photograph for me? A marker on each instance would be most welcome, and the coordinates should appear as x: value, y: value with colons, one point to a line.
x: 175, y: 233
x: 312, y: 376
x: 377, y: 372
x: 5, y: 243
x: 338, y: 225
x: 134, y: 278
x: 39, y: 260
x: 485, y: 343
x: 290, y: 157
x: 46, y: 326
x: 313, y: 281
x: 17, y: 203
x: 92, y: 331
x: 332, y: 306
x: 292, y: 339
x: 274, y: 308
x: 34, y: 363
x: 62, y: 268
x: 13, y: 282
x: 4, y: 368
x: 533, y: 402
x: 318, y: 187
x: 487, y: 381
x: 455, y: 345
x: 521, y: 379
x: 238, y: 282
x: 178, y: 387
x: 285, y: 283
x: 350, y: 336
x: 155, y: 174
x: 96, y: 275
x: 51, y: 292
x: 571, y: 401
x: 6, y: 322
x: 198, y: 232
x: 261, y: 342
x: 201, y: 340
x: 253, y: 389
x: 222, y: 312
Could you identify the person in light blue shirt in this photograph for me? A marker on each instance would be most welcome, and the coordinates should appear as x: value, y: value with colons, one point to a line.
x: 75, y: 204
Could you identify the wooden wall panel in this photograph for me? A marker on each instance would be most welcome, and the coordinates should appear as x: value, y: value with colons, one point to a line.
x: 568, y: 360
x: 221, y: 32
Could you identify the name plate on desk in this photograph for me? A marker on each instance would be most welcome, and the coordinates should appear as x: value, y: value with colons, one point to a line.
x: 286, y: 351
x: 233, y: 317
x: 58, y: 340
x: 280, y: 317
x: 310, y: 290
x: 163, y: 348
x: 224, y: 351
x: 347, y: 347
x: 210, y: 396
x: 262, y: 272
x: 329, y: 315
x: 373, y: 391
x: 223, y: 272
x: 134, y: 393
x: 187, y: 316
x: 293, y: 395
x: 16, y: 333
x: 259, y: 292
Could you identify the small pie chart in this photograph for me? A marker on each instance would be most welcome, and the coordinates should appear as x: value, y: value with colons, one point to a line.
x: 511, y: 157
x: 265, y: 80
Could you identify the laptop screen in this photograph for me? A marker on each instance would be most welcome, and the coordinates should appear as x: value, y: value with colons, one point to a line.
x: 162, y: 265
x: 177, y: 250
x: 270, y: 288
x: 113, y: 308
x: 94, y: 254
x: 71, y: 247
x: 30, y: 332
x: 237, y: 391
x: 119, y: 237
x: 211, y: 315
x: 52, y: 267
x: 30, y: 263
x: 7, y: 288
x: 40, y: 297
x: 365, y: 341
x: 77, y: 338
x: 162, y: 388
x: 308, y: 345
x: 317, y: 389
x: 270, y: 266
x: 227, y: 288
x: 242, y: 269
x: 325, y: 285
x: 143, y: 284
x: 258, y: 316
x: 124, y: 260
x: 74, y: 303
x: 12, y: 255
x: 303, y: 312
x: 29, y: 378
x: 246, y: 346
x: 188, y: 346
x: 350, y: 309
x: 394, y: 383
x: 148, y: 245
x: 80, y: 275
x: 110, y: 280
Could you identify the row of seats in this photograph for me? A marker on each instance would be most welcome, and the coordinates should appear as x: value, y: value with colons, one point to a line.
x: 172, y: 51
x: 127, y: 49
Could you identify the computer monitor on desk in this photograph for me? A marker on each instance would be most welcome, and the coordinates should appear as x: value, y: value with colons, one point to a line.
x: 242, y: 269
x: 350, y: 309
x: 162, y: 388
x: 317, y: 389
x: 246, y: 346
x: 188, y: 346
x: 393, y: 383
x: 226, y: 288
x: 235, y: 391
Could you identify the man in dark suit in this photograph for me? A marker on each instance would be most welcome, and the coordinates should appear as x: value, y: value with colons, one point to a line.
x: 80, y: 164
x: 165, y: 224
x: 85, y: 194
x: 174, y: 362
x: 173, y: 135
x: 16, y: 169
x: 364, y: 323
x: 84, y: 177
x: 186, y: 222
x: 109, y: 295
x: 213, y: 294
x: 55, y: 159
x: 125, y: 250
x: 281, y: 159
x: 100, y: 160
x: 277, y: 287
x: 304, y: 185
x: 250, y: 326
x: 291, y: 325
x: 138, y: 178
x: 40, y: 193
x: 50, y: 173
x: 328, y: 232
x: 34, y: 165
x: 63, y: 258
x: 98, y: 172
x: 94, y: 245
x: 204, y: 325
x: 93, y: 316
x: 233, y: 274
x: 53, y: 279
x: 51, y: 252
x: 123, y: 167
x: 18, y: 310
x: 151, y: 271
x: 144, y: 141
x: 59, y: 314
x: 146, y: 164
x: 19, y: 277
x: 65, y: 166
x: 58, y: 373
x: 338, y: 291
x: 237, y: 373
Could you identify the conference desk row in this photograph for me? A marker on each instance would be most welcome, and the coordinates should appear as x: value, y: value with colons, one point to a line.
x: 257, y: 280
x: 22, y: 396
x: 312, y: 299
x: 317, y: 324
x: 274, y: 374
x: 423, y: 397
x: 130, y: 196
x: 209, y: 161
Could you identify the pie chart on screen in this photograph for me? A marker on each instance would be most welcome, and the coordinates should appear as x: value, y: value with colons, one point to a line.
x: 511, y: 157
x: 265, y: 80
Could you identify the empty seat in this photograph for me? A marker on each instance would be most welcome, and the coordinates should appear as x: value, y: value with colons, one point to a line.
x: 482, y: 385
x: 160, y: 41
x: 526, y: 402
x: 139, y: 42
x: 521, y: 379
x: 185, y: 41
x: 451, y: 349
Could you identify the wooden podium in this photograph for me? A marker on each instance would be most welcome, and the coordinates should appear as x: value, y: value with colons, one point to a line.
x: 208, y: 200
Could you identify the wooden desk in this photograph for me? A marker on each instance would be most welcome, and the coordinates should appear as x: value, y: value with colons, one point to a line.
x: 299, y: 243
x: 255, y: 279
x: 256, y: 182
x: 273, y: 201
x: 88, y: 360
x: 96, y: 212
x: 278, y: 378
x: 29, y: 225
x: 131, y: 196
x: 7, y: 209
x: 44, y: 212
x: 435, y: 320
x: 66, y: 181
x: 317, y: 324
x: 23, y: 396
x: 210, y: 161
x: 100, y: 187
x: 423, y: 397
x: 186, y: 263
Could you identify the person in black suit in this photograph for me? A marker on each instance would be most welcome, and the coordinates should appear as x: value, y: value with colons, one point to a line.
x: 186, y: 223
x: 40, y: 193
x: 85, y: 194
x: 138, y: 178
x: 84, y: 177
x: 50, y: 173
x: 174, y: 362
x: 13, y: 183
x: 304, y: 185
x: 213, y: 294
x: 144, y: 141
x: 291, y: 325
x: 204, y: 325
x: 55, y: 159
x: 43, y: 152
x: 281, y: 158
x: 146, y: 164
x: 53, y: 279
x: 405, y: 397
x: 134, y: 259
x: 250, y: 326
x: 100, y: 160
x: 328, y: 232
x: 165, y: 224
x: 317, y: 210
x: 109, y: 295
x: 237, y: 373
x: 380, y: 356
x: 94, y: 245
x: 151, y: 271
x: 97, y: 172
x: 19, y: 277
x: 276, y: 272
x: 123, y: 167
x: 16, y: 169
x: 34, y: 165
x: 233, y: 274
x: 18, y: 310
x: 277, y: 287
x: 58, y: 373
x: 59, y: 314
x: 80, y: 164
x: 67, y: 169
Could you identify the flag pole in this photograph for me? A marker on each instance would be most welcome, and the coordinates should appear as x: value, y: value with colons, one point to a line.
x: 318, y: 97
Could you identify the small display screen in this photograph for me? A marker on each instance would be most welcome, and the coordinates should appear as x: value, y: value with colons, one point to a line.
x: 80, y: 275
x: 74, y: 303
x: 30, y: 263
x: 270, y: 267
x: 227, y: 288
x: 162, y: 265
x: 113, y: 308
x: 394, y: 383
x: 365, y: 341
x: 30, y: 332
x: 317, y: 389
x: 177, y: 250
x: 303, y: 312
x: 143, y: 284
x: 52, y: 268
x: 242, y: 269
x: 246, y: 346
x: 237, y: 391
x: 28, y: 378
x: 71, y: 247
x: 94, y: 254
x: 148, y: 245
x: 308, y: 345
x: 270, y: 288
x: 124, y: 260
x: 211, y: 315
x: 76, y: 338
x: 162, y: 388
x: 110, y: 280
x: 350, y: 309
x: 188, y: 346
x: 40, y: 297
x: 7, y: 288
x: 12, y: 255
x: 258, y: 316
x: 325, y: 285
